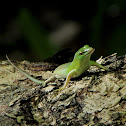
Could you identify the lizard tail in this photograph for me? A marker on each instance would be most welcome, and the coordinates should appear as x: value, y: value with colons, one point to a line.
x: 24, y: 73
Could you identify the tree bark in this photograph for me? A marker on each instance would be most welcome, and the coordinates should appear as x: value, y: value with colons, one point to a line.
x: 97, y: 97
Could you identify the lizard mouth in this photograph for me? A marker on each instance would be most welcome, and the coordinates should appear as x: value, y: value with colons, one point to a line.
x: 91, y: 51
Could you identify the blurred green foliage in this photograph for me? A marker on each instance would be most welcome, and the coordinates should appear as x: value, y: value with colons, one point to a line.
x: 113, y: 40
x: 107, y: 30
x: 36, y: 36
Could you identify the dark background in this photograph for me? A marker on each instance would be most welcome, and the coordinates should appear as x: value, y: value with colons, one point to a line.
x: 39, y: 32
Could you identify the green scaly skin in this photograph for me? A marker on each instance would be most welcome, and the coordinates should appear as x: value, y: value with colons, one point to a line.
x: 78, y: 66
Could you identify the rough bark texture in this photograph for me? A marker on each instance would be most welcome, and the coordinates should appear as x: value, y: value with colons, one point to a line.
x: 97, y: 97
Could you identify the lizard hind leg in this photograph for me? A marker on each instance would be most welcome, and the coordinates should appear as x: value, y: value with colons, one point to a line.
x: 51, y: 79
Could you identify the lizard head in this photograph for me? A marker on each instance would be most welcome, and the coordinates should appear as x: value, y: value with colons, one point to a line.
x: 84, y: 52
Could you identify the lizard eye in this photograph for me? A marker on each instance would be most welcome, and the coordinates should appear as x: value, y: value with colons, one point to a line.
x: 81, y: 53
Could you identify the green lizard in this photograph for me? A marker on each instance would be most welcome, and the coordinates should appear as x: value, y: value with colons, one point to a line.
x: 78, y: 66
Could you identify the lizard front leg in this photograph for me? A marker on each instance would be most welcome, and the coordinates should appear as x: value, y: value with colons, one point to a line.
x: 93, y: 63
x: 69, y: 76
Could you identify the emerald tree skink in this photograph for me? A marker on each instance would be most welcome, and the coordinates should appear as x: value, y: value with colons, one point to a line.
x: 78, y: 66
